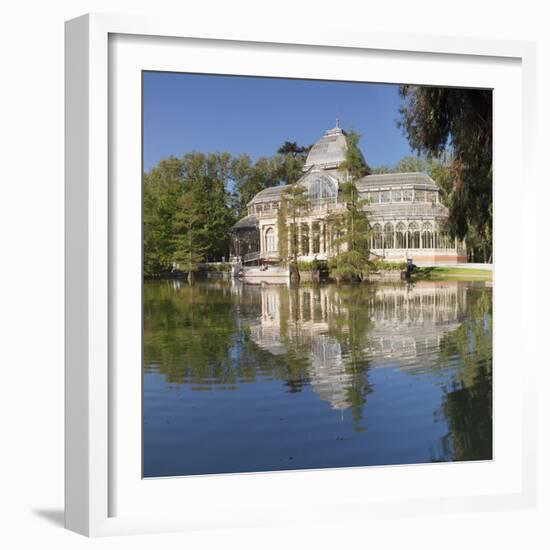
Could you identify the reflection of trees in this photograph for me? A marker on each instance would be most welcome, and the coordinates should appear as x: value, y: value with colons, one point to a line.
x: 220, y: 335
x: 199, y: 335
x: 350, y: 324
x: 188, y: 333
x: 468, y: 397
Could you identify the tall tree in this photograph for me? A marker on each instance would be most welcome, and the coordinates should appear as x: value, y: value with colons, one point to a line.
x: 294, y: 205
x: 354, y: 164
x: 161, y: 188
x: 349, y: 225
x: 350, y: 230
x: 293, y: 157
x: 251, y: 178
x: 189, y: 243
x: 207, y: 178
x: 436, y: 120
x: 282, y: 235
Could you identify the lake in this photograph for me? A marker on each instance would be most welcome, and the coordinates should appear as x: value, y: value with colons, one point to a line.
x: 246, y: 378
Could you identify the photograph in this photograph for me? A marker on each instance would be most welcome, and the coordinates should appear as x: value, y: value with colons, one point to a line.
x: 317, y: 266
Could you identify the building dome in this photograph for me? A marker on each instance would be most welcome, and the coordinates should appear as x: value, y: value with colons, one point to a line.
x: 329, y: 151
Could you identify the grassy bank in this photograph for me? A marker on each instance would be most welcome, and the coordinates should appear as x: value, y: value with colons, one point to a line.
x: 450, y: 273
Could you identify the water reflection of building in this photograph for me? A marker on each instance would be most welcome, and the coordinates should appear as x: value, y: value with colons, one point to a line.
x: 411, y: 322
x: 402, y: 326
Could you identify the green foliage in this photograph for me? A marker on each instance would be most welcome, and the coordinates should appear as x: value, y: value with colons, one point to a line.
x: 162, y: 187
x: 294, y: 204
x: 468, y: 401
x: 348, y: 265
x: 381, y: 265
x: 293, y: 149
x: 314, y: 265
x: 282, y: 232
x: 250, y: 178
x: 350, y: 231
x: 449, y: 273
x: 354, y: 164
x: 437, y: 120
x: 216, y: 267
x: 189, y: 247
x: 186, y: 211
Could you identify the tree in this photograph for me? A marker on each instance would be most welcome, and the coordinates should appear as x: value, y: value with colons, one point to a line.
x: 412, y: 164
x: 294, y: 205
x: 161, y: 188
x: 349, y: 225
x: 439, y: 120
x: 207, y: 178
x: 282, y: 235
x: 292, y: 157
x: 188, y: 248
x: 249, y: 179
x: 293, y: 149
x: 354, y: 164
x: 351, y: 232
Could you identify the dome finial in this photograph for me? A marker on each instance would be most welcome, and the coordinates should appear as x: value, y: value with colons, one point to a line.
x: 337, y: 122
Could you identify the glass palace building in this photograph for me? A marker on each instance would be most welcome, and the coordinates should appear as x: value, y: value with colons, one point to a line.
x: 404, y: 210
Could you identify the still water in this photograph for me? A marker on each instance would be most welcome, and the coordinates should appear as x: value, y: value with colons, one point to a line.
x: 243, y: 378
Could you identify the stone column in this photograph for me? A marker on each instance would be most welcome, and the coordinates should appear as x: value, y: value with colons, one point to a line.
x: 288, y: 240
x: 261, y: 240
x: 310, y: 224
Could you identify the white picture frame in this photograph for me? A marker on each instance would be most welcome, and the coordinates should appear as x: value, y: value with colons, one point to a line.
x: 104, y: 493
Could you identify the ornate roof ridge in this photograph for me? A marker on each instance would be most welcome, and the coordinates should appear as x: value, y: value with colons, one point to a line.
x: 398, y: 177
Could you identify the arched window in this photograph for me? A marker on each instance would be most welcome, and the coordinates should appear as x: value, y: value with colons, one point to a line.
x: 427, y: 235
x: 414, y: 238
x: 270, y: 245
x: 400, y: 235
x: 377, y: 236
x: 320, y: 188
x: 388, y: 235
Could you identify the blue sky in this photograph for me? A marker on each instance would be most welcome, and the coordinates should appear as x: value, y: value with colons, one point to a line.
x: 187, y: 112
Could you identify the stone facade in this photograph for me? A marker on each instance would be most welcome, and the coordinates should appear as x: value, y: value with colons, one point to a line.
x: 404, y: 210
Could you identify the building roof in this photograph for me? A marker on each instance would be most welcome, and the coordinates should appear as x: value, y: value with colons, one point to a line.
x: 329, y: 151
x: 269, y: 194
x: 398, y: 211
x: 375, y: 181
x: 246, y: 222
x: 397, y: 179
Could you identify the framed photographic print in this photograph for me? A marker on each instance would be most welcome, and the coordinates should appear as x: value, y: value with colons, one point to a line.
x: 288, y: 292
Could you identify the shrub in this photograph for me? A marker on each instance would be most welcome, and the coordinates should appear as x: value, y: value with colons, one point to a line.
x: 219, y: 266
x: 381, y: 265
x: 314, y: 265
